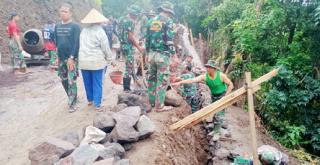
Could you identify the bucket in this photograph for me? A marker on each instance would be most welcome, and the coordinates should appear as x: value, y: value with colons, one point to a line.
x: 116, y: 77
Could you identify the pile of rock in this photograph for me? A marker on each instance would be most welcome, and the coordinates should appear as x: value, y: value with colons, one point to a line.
x: 216, y: 132
x: 104, y: 143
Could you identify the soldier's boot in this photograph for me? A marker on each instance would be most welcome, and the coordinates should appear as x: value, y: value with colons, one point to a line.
x: 126, y: 84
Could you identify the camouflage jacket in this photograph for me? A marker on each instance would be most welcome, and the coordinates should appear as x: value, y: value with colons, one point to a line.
x: 126, y: 25
x: 188, y: 89
x: 160, y: 35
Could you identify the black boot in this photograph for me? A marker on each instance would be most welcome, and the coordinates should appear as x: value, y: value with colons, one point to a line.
x: 126, y: 84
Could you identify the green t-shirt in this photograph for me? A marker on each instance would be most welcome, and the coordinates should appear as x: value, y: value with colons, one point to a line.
x: 216, y: 85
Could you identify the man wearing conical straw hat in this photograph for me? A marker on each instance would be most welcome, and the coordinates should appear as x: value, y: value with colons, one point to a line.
x: 94, y: 56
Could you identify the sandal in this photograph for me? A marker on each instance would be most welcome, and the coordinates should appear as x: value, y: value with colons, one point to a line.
x: 72, y: 109
x: 90, y: 103
x: 99, y: 109
x: 164, y: 109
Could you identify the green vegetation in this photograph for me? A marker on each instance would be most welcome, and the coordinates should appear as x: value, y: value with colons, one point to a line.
x: 257, y: 36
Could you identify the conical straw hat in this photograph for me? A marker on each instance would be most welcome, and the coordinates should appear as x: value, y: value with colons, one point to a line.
x: 94, y: 16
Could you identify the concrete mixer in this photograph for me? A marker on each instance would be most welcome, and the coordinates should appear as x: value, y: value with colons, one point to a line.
x: 32, y: 43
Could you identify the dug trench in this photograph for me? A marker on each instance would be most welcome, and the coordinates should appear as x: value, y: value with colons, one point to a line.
x: 167, y: 147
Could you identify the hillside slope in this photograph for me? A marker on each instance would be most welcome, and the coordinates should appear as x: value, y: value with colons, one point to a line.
x: 34, y: 13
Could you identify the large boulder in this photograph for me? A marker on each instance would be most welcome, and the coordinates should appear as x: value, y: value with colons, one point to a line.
x: 71, y: 136
x: 116, y: 148
x: 50, y: 151
x: 104, y: 121
x: 119, y: 107
x: 132, y: 99
x: 123, y: 162
x: 123, y: 133
x: 128, y: 117
x: 83, y: 155
x: 93, y: 135
x: 145, y: 127
x: 109, y: 161
x: 173, y: 99
x: 112, y: 150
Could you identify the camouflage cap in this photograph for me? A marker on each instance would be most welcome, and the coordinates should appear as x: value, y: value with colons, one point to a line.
x: 134, y: 9
x: 167, y: 7
x: 212, y: 64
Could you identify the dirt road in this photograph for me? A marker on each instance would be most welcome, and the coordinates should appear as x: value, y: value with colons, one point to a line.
x: 34, y: 107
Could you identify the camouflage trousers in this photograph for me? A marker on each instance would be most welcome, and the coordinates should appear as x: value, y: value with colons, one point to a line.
x: 69, y: 81
x: 129, y: 58
x: 218, y: 118
x: 53, y: 57
x: 18, y: 60
x: 158, y: 78
x: 194, y: 102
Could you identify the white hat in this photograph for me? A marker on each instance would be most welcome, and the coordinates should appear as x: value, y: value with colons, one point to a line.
x: 94, y: 16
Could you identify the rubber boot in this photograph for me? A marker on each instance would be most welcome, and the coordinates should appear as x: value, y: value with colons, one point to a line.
x: 126, y: 84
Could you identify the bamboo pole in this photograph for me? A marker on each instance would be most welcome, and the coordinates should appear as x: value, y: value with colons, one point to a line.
x: 251, y: 117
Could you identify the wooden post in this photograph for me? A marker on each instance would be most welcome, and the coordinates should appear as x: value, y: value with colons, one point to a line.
x: 201, y: 48
x: 191, y: 37
x: 252, y: 120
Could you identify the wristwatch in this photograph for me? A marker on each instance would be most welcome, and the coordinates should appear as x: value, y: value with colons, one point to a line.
x: 72, y: 57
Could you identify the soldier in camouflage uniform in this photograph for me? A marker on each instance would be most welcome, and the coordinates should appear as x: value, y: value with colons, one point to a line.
x: 189, y: 91
x: 67, y: 35
x: 159, y: 45
x: 126, y: 37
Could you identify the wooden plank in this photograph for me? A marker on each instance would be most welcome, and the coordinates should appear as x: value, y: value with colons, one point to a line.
x: 252, y: 120
x: 218, y: 106
x: 199, y: 115
x: 265, y: 77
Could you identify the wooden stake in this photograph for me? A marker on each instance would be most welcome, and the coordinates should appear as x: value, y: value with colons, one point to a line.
x: 252, y: 120
x: 191, y: 37
x: 201, y: 48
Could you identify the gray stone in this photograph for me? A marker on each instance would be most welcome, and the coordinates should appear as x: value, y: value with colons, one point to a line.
x: 127, y: 146
x: 128, y: 117
x: 83, y: 155
x: 109, y: 161
x: 124, y: 134
x: 173, y: 99
x: 145, y: 127
x: 131, y: 99
x: 225, y: 124
x: 222, y: 153
x: 104, y: 121
x: 112, y: 150
x: 71, y: 136
x: 50, y: 151
x: 123, y: 162
x: 119, y: 107
x: 225, y: 133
